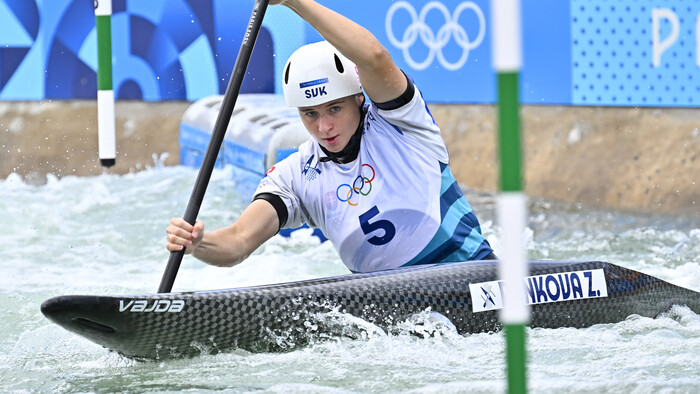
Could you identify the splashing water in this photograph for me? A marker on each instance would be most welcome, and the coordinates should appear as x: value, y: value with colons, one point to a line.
x: 106, y: 235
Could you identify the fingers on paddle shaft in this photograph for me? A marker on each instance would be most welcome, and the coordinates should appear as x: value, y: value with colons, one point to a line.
x: 181, y: 234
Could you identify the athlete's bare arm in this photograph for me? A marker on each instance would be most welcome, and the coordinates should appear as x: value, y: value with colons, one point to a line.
x: 226, y: 246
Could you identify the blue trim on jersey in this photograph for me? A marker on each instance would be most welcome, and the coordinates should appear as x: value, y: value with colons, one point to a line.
x: 372, y: 119
x: 428, y: 111
x: 482, y: 250
x: 426, y: 107
x: 445, y: 183
x: 421, y: 96
x: 459, y: 236
x: 448, y: 198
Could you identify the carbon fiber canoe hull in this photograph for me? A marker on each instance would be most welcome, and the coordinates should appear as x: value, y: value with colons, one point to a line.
x: 159, y: 326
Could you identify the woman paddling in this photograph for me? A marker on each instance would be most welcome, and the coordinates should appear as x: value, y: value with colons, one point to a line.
x: 374, y: 177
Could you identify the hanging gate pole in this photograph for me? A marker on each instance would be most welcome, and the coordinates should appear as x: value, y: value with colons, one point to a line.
x: 106, y: 133
x: 512, y: 202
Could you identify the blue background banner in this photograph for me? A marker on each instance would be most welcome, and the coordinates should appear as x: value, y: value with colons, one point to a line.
x: 645, y: 52
x: 580, y: 52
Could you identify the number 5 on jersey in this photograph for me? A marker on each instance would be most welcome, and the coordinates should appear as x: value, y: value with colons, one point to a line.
x: 367, y: 227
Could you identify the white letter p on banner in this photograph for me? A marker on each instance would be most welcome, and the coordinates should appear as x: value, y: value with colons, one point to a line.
x: 658, y: 46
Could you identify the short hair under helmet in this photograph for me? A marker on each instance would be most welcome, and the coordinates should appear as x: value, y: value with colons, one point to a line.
x: 318, y: 73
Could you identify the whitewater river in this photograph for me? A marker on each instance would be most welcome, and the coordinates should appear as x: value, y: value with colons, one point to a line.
x: 106, y: 235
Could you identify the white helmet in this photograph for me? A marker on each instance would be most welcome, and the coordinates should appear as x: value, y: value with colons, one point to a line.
x: 318, y: 73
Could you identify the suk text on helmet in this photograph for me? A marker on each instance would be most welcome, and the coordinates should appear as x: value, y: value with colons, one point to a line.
x: 318, y: 73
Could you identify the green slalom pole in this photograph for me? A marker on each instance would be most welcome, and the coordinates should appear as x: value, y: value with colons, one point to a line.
x: 105, y: 95
x: 512, y: 202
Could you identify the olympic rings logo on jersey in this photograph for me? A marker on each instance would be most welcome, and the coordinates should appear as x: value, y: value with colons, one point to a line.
x: 435, y: 41
x: 358, y: 187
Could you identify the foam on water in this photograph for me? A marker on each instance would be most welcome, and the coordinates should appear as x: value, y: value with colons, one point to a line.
x: 106, y: 235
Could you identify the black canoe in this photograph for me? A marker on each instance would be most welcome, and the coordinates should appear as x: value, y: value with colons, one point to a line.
x: 158, y: 326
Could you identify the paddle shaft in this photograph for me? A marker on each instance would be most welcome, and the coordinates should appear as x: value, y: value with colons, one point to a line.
x: 222, y: 121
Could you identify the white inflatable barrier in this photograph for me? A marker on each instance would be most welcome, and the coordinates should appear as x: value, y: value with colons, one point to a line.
x: 262, y: 131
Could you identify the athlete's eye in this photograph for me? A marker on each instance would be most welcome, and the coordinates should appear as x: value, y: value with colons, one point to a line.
x: 335, y: 108
x: 310, y: 114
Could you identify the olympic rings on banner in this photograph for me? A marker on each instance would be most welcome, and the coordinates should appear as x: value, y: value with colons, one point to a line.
x: 358, y: 187
x: 435, y: 41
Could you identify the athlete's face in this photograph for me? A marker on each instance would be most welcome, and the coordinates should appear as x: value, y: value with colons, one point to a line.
x: 333, y: 123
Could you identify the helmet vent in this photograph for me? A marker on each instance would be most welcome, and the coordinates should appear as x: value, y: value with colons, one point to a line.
x: 286, y: 74
x: 338, y: 64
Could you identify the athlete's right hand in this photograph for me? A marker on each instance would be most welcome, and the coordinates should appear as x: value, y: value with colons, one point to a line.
x: 184, y: 235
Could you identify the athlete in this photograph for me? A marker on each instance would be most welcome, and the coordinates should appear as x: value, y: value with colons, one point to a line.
x: 373, y: 177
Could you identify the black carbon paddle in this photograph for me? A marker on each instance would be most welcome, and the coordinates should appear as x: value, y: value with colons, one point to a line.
x: 222, y: 121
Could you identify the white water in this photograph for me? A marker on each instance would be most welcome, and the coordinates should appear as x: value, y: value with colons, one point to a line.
x: 105, y: 235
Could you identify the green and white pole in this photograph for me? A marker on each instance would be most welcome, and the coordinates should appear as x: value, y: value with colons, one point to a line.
x: 105, y: 95
x: 512, y: 202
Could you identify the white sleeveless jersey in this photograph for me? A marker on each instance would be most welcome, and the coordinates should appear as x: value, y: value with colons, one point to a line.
x: 397, y: 204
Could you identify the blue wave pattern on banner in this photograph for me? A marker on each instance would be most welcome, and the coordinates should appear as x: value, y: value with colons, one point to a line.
x: 618, y: 61
x: 161, y: 50
x: 581, y: 52
x: 185, y: 49
x: 20, y: 27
